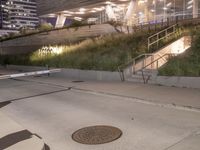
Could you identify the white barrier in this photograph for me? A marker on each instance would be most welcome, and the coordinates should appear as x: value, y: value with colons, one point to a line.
x: 29, y: 74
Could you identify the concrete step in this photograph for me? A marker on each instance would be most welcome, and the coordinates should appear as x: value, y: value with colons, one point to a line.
x: 138, y: 78
x: 144, y: 73
x: 147, y: 72
x: 135, y: 80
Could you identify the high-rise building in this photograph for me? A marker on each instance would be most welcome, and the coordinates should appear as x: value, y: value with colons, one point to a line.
x: 18, y: 13
x: 4, y: 14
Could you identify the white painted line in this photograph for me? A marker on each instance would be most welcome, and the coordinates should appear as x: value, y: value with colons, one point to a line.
x: 29, y: 74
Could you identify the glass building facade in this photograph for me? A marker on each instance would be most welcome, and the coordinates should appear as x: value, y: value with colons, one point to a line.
x: 4, y: 14
x: 18, y: 13
x: 130, y: 12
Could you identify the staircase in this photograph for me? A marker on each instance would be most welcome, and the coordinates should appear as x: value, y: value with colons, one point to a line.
x: 142, y: 76
x: 143, y: 68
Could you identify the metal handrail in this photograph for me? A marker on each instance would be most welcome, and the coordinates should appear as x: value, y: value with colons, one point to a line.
x: 162, y: 30
x: 158, y: 38
x: 137, y: 58
x: 145, y: 80
x: 133, y: 61
x: 161, y: 57
x: 178, y: 16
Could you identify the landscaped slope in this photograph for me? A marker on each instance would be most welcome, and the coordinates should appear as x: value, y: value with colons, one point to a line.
x: 187, y: 64
x: 103, y: 53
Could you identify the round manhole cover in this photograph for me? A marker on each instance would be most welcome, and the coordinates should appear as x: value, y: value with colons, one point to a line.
x: 97, y: 135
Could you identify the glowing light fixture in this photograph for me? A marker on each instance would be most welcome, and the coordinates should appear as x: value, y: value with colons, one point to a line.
x: 78, y: 18
x: 82, y: 9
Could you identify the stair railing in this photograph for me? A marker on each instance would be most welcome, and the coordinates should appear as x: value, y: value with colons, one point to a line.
x: 150, y: 43
x: 141, y: 58
x: 163, y: 57
x: 168, y: 55
x: 164, y: 34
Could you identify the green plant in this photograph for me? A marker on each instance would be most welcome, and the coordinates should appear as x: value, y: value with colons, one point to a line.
x: 45, y: 27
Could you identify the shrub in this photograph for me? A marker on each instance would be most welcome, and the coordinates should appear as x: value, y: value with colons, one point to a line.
x: 45, y: 27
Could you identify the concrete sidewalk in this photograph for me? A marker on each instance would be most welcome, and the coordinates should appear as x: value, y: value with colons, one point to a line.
x: 55, y: 117
x: 55, y: 108
x: 15, y: 137
x: 189, y: 98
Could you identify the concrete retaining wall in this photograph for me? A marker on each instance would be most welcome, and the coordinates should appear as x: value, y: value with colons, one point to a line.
x: 77, y: 74
x: 90, y: 75
x: 74, y: 73
x: 65, y: 36
x: 183, y: 82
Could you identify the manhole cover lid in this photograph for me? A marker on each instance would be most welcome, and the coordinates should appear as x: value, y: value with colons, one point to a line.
x: 96, y: 135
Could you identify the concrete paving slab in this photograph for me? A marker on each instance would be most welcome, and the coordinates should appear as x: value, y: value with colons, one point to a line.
x: 56, y: 116
x: 17, y: 89
x: 47, y: 107
x: 159, y: 94
x: 189, y: 143
x: 11, y: 139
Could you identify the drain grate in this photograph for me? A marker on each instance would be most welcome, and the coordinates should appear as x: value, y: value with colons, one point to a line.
x: 77, y: 81
x: 97, y: 135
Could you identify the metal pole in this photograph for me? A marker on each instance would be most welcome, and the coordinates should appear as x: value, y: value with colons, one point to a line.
x: 184, y: 9
x: 157, y: 41
x: 175, y: 9
x: 164, y: 9
x: 155, y: 13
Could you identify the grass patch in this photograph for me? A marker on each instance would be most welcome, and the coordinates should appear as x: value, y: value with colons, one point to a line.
x: 103, y: 53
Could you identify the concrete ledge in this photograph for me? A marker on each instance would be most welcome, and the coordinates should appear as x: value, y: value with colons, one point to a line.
x: 9, y: 127
x: 74, y: 73
x: 89, y: 75
x: 183, y: 82
x: 24, y: 68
